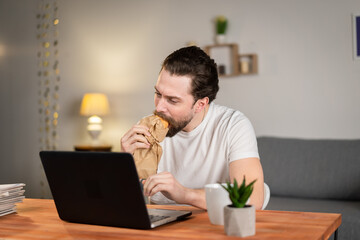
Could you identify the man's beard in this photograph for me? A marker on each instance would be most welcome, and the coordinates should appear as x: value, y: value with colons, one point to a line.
x: 175, y: 126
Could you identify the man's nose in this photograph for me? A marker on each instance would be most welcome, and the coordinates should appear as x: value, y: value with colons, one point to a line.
x: 161, y: 105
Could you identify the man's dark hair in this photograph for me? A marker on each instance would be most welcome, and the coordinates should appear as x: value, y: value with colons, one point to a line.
x: 195, y: 63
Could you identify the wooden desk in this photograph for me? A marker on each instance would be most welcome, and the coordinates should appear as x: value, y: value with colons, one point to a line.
x: 38, y: 219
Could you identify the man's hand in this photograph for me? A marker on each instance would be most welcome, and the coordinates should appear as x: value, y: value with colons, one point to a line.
x: 134, y: 139
x: 166, y: 184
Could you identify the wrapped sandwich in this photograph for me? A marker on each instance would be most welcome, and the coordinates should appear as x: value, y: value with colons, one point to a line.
x: 147, y: 159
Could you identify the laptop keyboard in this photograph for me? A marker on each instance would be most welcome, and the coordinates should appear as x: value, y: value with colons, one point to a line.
x: 155, y: 218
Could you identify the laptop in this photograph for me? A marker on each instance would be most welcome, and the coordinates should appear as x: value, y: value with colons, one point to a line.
x: 101, y: 188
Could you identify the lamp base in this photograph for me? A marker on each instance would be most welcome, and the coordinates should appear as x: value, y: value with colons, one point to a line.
x: 94, y: 129
x: 94, y: 134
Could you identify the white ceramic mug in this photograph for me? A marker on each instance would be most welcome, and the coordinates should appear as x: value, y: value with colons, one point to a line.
x: 216, y: 199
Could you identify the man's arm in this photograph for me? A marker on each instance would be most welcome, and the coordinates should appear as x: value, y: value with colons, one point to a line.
x: 166, y: 183
x: 250, y: 168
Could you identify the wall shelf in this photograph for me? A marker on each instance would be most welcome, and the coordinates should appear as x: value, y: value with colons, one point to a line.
x: 230, y: 63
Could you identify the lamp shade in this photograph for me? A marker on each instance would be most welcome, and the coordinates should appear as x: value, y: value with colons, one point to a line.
x: 94, y: 104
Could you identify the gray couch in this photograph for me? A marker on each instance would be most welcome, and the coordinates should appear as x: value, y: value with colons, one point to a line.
x: 314, y: 176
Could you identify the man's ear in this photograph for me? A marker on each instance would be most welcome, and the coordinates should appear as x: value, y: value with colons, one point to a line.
x: 201, y: 104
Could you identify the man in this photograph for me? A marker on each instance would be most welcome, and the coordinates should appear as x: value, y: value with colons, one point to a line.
x: 206, y: 143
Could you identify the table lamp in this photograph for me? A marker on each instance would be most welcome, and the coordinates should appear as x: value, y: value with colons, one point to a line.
x: 94, y: 105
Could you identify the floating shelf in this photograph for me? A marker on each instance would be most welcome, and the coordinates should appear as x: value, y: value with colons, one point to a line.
x: 229, y: 62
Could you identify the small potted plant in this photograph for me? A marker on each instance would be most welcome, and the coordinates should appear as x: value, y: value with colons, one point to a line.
x: 239, y: 218
x: 221, y: 25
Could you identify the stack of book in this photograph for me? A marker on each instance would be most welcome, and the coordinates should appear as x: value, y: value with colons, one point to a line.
x: 9, y: 195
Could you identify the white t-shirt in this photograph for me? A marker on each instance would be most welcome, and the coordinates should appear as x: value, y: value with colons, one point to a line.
x: 203, y: 155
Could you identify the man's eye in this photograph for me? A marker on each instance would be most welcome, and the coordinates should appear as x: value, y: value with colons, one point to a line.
x: 172, y: 101
x: 157, y: 94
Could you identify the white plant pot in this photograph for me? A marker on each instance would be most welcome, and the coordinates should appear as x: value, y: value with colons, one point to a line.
x: 220, y: 38
x: 239, y: 221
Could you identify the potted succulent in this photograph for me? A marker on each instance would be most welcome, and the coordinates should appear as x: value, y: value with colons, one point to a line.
x: 221, y: 25
x: 239, y: 218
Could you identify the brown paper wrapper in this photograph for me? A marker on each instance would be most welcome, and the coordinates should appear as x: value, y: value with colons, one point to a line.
x: 147, y: 159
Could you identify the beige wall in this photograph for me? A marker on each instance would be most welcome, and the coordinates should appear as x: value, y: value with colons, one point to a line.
x: 308, y: 83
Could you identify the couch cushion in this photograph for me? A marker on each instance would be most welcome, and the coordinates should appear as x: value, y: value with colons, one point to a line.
x: 327, y: 169
x: 350, y: 211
